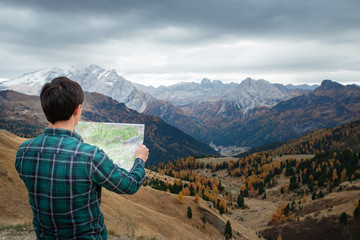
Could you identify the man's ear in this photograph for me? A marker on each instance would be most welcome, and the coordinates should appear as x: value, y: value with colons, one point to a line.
x: 77, y: 110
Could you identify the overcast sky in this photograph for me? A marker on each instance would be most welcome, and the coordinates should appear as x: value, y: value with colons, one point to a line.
x: 157, y: 42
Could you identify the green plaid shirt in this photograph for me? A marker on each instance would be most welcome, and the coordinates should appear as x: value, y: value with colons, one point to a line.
x: 64, y: 177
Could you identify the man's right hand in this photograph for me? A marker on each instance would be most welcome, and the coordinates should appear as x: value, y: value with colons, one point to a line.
x: 142, y: 152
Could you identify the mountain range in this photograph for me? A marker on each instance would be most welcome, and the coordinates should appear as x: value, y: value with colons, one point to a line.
x: 329, y: 105
x: 22, y: 114
x: 248, y: 114
x: 198, y: 109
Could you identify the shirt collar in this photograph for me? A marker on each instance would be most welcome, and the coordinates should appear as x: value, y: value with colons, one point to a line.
x: 62, y: 132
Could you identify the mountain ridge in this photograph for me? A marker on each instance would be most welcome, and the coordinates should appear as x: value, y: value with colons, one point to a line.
x: 322, y: 108
x: 206, y: 110
x: 93, y: 78
x: 22, y: 114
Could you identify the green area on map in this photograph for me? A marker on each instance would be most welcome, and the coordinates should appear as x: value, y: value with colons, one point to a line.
x: 118, y: 140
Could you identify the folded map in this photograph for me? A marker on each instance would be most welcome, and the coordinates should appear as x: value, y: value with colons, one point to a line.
x: 118, y: 140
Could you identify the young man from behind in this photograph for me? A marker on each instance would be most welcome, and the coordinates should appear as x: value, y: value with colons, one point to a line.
x: 64, y: 175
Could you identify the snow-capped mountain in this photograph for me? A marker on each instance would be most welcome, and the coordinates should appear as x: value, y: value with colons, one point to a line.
x: 91, y: 77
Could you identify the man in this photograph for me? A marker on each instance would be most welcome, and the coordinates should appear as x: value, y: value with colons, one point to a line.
x: 64, y: 175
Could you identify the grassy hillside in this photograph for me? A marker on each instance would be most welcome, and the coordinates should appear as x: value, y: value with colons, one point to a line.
x: 148, y: 214
x: 15, y: 209
x: 277, y: 199
x: 338, y: 138
x: 288, y: 195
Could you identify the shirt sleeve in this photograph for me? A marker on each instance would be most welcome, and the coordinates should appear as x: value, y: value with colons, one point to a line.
x: 110, y: 176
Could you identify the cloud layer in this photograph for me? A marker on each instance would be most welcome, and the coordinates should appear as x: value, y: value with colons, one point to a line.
x: 163, y: 42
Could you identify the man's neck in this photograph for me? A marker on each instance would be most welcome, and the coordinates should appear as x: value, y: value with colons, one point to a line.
x: 71, y: 122
x: 67, y: 124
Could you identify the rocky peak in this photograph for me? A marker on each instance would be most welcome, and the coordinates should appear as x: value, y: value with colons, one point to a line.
x: 252, y: 93
x: 330, y: 85
x: 252, y: 83
x: 206, y: 83
x: 190, y: 92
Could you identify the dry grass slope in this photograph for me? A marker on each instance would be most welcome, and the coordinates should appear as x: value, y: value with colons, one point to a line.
x: 15, y: 209
x: 146, y: 215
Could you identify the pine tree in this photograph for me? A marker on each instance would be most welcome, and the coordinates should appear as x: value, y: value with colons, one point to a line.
x: 293, y: 206
x: 343, y: 218
x: 221, y: 210
x: 228, y: 230
x: 293, y: 184
x: 240, y: 200
x: 313, y: 197
x: 282, y: 218
x: 334, y: 175
x: 343, y: 175
x: 287, y: 210
x: 357, y: 213
x: 303, y: 200
x: 275, y: 217
x: 222, y: 204
x: 180, y: 198
x: 197, y: 198
x: 189, y: 212
x: 320, y: 195
x: 264, y: 196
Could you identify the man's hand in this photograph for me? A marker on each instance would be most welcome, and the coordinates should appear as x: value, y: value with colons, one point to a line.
x: 142, y: 152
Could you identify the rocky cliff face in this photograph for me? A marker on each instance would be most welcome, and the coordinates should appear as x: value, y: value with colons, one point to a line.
x: 251, y: 94
x: 187, y: 93
x: 247, y: 95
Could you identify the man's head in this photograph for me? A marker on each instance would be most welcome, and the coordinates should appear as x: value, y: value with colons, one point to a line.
x: 59, y: 99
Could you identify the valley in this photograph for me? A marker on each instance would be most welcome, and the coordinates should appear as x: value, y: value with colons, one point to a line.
x: 292, y: 196
x: 273, y: 161
x: 155, y: 213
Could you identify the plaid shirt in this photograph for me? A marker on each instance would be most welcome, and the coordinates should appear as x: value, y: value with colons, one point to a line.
x: 64, y: 177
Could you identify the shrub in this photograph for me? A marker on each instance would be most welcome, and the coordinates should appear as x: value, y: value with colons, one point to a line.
x: 189, y: 212
x: 228, y: 230
x: 343, y: 218
x: 240, y: 200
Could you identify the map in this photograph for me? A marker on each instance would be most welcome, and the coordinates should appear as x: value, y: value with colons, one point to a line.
x: 118, y: 140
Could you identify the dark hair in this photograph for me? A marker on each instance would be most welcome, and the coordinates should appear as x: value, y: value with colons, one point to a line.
x: 59, y: 99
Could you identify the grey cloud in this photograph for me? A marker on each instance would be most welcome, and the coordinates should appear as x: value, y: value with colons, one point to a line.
x: 42, y: 30
x: 205, y: 19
